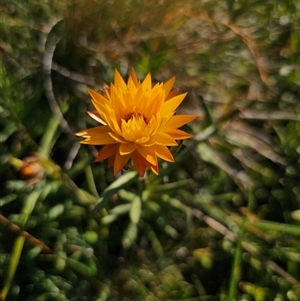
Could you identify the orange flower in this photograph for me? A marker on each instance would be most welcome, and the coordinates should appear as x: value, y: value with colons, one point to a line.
x: 138, y: 122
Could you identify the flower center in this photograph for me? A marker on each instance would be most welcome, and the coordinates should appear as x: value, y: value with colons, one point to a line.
x: 135, y: 115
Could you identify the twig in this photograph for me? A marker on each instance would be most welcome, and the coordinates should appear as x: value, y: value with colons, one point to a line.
x: 28, y: 237
x: 72, y: 75
x: 50, y: 47
x: 48, y: 65
x: 71, y: 156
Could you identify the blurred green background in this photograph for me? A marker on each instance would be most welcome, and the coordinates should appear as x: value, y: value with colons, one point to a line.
x: 221, y: 223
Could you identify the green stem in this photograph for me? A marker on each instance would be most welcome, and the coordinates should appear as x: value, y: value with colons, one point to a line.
x: 27, y: 209
x: 236, y: 269
x: 91, y: 181
x: 14, y: 261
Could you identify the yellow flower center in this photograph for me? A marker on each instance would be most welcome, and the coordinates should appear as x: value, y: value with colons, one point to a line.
x: 134, y: 115
x: 133, y: 125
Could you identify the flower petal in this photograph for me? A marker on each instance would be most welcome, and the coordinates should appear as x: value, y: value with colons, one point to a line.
x: 148, y: 153
x: 177, y: 121
x: 147, y: 83
x: 107, y: 151
x: 150, y: 142
x: 119, y: 82
x: 172, y: 94
x: 96, y: 136
x: 172, y: 104
x: 120, y: 161
x: 179, y: 134
x: 117, y: 137
x: 111, y: 120
x: 164, y: 153
x: 133, y: 77
x: 153, y: 168
x: 97, y: 97
x: 168, y: 86
x: 111, y: 161
x: 142, y: 140
x: 164, y: 139
x: 96, y: 116
x: 140, y: 163
x: 127, y: 148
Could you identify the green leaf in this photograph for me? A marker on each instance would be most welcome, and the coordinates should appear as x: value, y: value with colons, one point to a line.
x: 83, y: 269
x: 236, y: 269
x: 49, y: 137
x: 120, y: 209
x: 135, y: 211
x: 274, y: 226
x: 108, y: 219
x: 120, y: 183
x: 130, y: 235
x: 170, y: 187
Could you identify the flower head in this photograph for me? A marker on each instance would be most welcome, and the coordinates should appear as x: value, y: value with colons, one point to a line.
x: 137, y: 123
